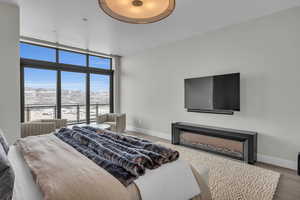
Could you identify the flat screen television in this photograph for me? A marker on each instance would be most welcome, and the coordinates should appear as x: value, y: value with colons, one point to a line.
x: 213, y: 94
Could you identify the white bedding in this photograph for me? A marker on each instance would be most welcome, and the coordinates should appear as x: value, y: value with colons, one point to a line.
x: 26, y: 189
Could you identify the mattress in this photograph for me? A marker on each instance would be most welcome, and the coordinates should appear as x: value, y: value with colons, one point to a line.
x: 25, y: 187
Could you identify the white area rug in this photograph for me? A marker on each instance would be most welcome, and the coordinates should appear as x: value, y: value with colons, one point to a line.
x: 230, y: 179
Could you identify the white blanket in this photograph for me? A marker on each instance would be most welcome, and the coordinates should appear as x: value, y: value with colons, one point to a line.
x: 171, y: 181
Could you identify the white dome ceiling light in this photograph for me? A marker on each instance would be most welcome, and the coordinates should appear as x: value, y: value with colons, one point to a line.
x: 138, y: 11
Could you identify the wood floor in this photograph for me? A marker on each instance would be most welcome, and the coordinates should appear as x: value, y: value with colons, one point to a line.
x: 289, y: 183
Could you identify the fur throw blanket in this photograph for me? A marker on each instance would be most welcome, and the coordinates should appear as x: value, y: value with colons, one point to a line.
x: 124, y: 157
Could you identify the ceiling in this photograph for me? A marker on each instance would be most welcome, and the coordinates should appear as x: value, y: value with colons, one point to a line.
x: 62, y: 21
x: 10, y: 1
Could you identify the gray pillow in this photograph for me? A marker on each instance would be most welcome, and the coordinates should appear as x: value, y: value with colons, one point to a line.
x: 3, y: 142
x: 7, y: 177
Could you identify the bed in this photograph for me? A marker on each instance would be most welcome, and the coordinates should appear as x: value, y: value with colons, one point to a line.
x: 28, y: 187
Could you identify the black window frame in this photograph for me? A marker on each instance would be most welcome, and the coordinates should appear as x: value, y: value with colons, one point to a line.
x: 102, y: 58
x: 60, y: 67
x: 86, y: 57
x: 39, y: 45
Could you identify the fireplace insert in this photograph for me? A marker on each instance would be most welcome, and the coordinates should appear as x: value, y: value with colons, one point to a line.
x: 238, y: 144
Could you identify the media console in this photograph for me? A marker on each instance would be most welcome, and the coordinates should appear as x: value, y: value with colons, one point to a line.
x: 238, y: 144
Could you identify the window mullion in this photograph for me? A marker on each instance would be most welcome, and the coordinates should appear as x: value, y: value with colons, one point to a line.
x: 111, y: 93
x: 58, y: 89
x: 22, y: 87
x: 88, y: 77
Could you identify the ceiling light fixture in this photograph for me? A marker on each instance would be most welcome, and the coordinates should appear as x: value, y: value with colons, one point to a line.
x: 138, y: 11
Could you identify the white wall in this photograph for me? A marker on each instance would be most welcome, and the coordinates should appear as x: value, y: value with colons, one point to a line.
x: 265, y: 51
x: 9, y: 71
x: 116, y: 68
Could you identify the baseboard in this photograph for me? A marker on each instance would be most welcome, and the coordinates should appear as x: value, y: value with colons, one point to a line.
x: 150, y: 132
x: 277, y: 161
x: 260, y: 157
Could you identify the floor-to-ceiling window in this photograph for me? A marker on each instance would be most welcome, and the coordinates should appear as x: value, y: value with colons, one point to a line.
x: 99, y: 95
x: 73, y: 97
x: 57, y: 83
x: 39, y: 94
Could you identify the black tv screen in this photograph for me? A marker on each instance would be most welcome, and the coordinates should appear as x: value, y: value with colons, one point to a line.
x: 215, y: 94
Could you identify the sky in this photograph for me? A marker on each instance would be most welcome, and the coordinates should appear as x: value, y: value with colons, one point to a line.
x: 39, y: 78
